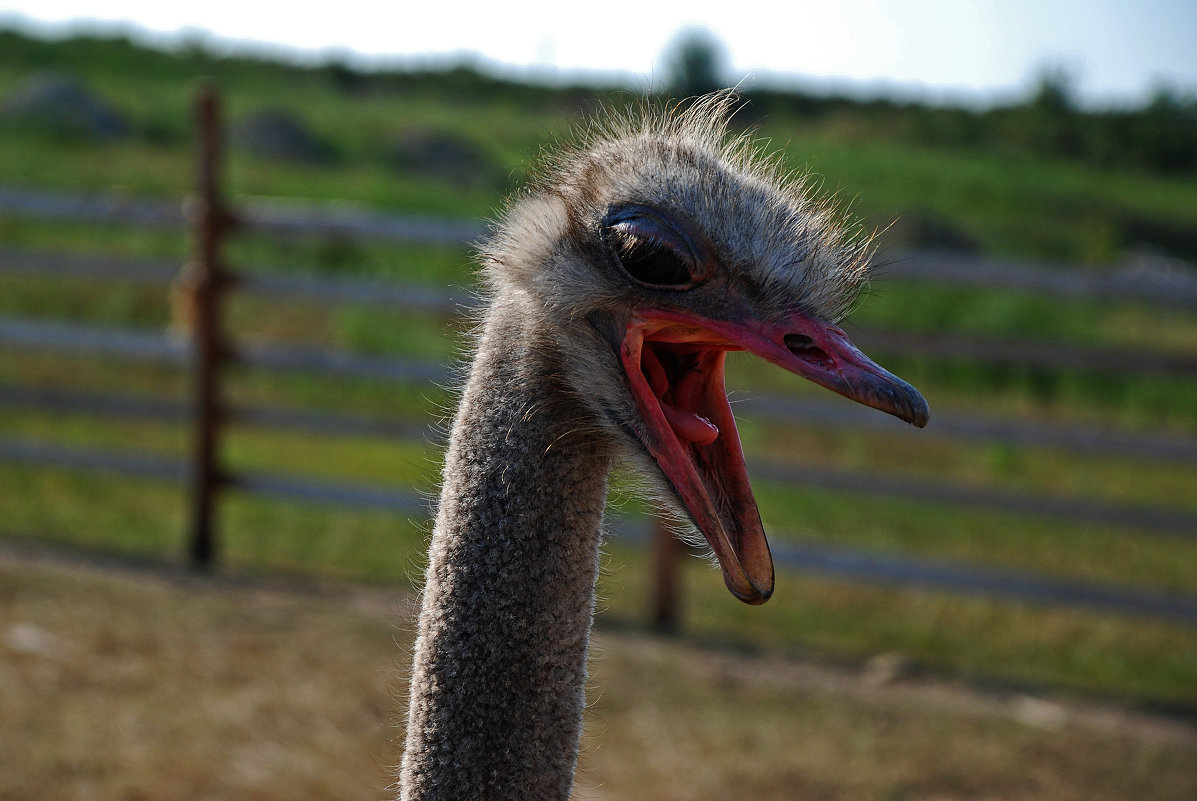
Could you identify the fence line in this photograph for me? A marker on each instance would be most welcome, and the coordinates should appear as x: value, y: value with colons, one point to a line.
x: 20, y: 261
x: 1154, y: 279
x: 1161, y: 521
x: 135, y: 464
x: 166, y: 348
x: 172, y: 411
x: 271, y: 216
x: 1034, y: 354
x: 160, y: 347
x: 1006, y: 352
x: 95, y: 339
x: 879, y: 568
x: 91, y: 208
x: 206, y: 281
x: 1077, y: 438
x: 989, y: 582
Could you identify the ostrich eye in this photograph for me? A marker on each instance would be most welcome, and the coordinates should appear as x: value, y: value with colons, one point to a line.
x: 650, y: 261
x: 650, y: 249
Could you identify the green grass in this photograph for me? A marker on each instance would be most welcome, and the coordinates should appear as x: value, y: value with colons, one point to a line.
x: 266, y: 535
x: 929, y: 307
x: 1038, y: 210
x: 978, y: 639
x: 838, y: 619
x: 1018, y: 543
x: 1027, y: 208
x: 1012, y: 206
x: 1022, y: 205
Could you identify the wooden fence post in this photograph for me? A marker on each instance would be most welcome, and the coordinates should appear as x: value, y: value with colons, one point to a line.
x: 667, y: 553
x: 205, y: 282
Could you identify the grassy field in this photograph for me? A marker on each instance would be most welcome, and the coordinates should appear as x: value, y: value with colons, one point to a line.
x: 735, y: 657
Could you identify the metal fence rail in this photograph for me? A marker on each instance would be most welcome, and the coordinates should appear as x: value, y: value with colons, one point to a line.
x: 1160, y: 521
x: 100, y: 267
x: 1027, y: 353
x: 1076, y: 438
x: 263, y: 215
x: 1153, y: 279
x: 128, y: 407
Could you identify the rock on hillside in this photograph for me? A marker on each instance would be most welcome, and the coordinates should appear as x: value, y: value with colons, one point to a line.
x: 61, y: 105
x: 442, y: 155
x: 282, y: 135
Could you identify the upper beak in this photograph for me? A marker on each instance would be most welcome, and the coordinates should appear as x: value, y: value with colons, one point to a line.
x: 812, y: 348
x: 822, y: 353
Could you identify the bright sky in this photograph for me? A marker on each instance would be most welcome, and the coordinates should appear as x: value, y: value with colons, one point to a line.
x: 1116, y: 50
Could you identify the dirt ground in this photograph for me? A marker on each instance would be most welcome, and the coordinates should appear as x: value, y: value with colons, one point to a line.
x: 129, y: 682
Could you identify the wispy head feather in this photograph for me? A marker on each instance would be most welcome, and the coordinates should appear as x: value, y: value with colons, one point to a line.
x: 800, y: 249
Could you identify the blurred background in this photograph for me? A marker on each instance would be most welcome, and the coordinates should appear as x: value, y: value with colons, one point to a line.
x: 234, y: 270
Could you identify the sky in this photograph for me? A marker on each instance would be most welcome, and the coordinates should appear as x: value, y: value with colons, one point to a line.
x: 1115, y: 51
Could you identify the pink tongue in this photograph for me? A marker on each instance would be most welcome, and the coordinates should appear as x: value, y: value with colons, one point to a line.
x: 690, y: 427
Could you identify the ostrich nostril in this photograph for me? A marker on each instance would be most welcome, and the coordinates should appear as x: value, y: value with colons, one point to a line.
x: 805, y: 348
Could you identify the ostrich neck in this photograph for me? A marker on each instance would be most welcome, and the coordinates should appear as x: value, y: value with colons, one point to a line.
x: 498, y: 684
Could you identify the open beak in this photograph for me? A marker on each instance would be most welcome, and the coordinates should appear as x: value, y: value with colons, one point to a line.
x: 674, y: 363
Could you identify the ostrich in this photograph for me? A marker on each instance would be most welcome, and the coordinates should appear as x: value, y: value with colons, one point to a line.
x: 616, y: 283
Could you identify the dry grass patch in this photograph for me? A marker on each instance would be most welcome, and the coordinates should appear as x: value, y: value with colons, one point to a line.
x: 137, y: 687
x: 150, y: 684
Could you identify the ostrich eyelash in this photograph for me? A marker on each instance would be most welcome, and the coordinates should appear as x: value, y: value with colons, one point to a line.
x: 650, y: 250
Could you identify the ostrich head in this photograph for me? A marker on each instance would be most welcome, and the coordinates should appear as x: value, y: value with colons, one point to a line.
x: 647, y: 251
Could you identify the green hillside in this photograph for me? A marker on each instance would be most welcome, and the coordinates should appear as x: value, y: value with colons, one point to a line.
x: 1040, y: 181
